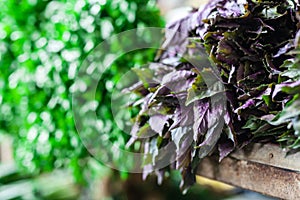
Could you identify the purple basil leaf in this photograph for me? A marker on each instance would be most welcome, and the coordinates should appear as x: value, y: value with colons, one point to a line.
x: 158, y: 122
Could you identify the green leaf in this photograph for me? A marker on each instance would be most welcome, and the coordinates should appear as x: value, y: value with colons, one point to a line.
x: 200, y: 90
x: 287, y: 114
x: 145, y: 75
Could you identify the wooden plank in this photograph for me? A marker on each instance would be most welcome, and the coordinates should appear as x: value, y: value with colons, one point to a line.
x: 269, y: 154
x: 268, y: 180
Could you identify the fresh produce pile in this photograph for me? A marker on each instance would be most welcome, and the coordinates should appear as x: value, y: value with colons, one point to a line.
x: 253, y: 95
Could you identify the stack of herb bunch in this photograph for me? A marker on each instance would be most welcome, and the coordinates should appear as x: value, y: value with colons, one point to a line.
x: 255, y: 47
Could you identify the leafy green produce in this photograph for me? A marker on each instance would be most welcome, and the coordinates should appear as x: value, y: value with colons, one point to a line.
x: 42, y: 45
x: 253, y: 95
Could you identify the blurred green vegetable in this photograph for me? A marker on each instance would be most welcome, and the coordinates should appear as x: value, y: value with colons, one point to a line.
x: 41, y: 48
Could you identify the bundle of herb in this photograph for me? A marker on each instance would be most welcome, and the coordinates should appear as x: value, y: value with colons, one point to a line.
x: 228, y: 75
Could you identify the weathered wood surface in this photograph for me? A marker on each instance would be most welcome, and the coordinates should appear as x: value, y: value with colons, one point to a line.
x: 273, y: 173
x: 269, y: 154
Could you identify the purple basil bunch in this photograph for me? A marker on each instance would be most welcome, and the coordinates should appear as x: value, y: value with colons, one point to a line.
x: 227, y: 75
